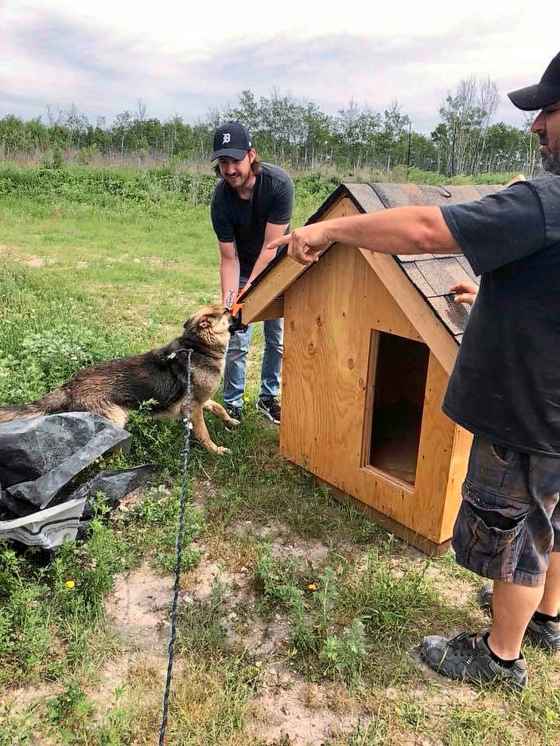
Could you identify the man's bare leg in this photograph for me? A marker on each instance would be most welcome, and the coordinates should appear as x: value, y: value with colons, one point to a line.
x: 512, y: 609
x: 550, y: 602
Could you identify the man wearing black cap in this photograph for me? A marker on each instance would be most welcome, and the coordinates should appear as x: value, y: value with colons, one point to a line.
x: 505, y: 389
x: 251, y: 206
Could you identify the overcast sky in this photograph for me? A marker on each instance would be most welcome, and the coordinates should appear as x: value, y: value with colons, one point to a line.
x: 182, y: 59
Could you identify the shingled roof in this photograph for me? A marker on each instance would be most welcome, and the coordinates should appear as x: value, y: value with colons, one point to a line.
x: 431, y: 274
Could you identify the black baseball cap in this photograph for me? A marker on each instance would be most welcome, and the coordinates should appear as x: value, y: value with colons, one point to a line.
x: 541, y: 94
x: 231, y: 140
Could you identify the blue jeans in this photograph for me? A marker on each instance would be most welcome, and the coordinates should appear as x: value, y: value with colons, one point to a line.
x: 236, y: 362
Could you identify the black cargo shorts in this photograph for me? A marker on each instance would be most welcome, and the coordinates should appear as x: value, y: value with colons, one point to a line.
x: 509, y: 520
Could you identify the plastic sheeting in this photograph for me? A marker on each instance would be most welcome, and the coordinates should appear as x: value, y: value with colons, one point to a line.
x: 42, y: 462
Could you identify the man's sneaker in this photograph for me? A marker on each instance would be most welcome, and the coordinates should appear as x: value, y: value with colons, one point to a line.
x: 467, y: 657
x: 545, y: 635
x: 235, y: 412
x: 485, y: 599
x: 270, y: 407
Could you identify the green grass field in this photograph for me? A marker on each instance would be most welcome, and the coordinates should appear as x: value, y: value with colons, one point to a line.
x: 298, y: 616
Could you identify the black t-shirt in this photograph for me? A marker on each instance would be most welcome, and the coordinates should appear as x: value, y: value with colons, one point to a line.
x: 506, y: 381
x: 244, y: 221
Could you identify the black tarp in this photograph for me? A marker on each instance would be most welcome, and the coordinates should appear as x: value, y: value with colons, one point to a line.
x: 42, y: 466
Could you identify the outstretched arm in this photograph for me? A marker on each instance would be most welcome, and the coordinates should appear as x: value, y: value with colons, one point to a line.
x: 400, y: 230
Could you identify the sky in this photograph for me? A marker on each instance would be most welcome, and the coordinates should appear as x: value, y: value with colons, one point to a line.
x: 179, y: 59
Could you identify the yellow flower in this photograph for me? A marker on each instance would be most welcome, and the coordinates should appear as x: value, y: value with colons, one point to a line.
x: 312, y: 587
x: 70, y: 584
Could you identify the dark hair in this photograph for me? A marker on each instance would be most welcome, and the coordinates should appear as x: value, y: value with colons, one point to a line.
x: 255, y: 166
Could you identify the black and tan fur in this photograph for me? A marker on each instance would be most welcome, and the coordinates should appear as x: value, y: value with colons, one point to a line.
x: 115, y: 387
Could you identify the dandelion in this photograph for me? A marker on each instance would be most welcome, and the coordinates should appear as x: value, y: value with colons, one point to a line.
x: 312, y: 587
x: 70, y: 584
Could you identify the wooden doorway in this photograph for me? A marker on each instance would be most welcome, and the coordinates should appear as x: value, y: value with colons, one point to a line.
x: 395, y: 404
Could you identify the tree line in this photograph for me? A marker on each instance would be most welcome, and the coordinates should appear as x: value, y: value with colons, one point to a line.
x: 295, y: 133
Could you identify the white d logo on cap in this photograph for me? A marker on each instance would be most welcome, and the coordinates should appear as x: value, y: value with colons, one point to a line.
x: 227, y: 138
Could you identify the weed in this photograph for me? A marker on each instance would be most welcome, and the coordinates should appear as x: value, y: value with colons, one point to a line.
x: 26, y: 627
x: 475, y: 727
x: 154, y: 441
x: 48, y: 615
x: 151, y: 526
x: 69, y: 707
x: 374, y: 733
x: 201, y: 627
x: 82, y: 574
x: 16, y: 729
x: 344, y: 654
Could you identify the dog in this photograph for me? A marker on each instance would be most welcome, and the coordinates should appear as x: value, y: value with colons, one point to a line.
x: 114, y: 388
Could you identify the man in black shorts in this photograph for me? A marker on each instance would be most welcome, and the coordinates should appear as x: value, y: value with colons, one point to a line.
x: 505, y: 389
x: 251, y: 206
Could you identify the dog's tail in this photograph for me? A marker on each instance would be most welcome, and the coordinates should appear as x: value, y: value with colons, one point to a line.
x: 56, y: 401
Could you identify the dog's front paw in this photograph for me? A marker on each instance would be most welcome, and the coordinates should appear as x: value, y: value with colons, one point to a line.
x: 232, y: 422
x: 222, y: 450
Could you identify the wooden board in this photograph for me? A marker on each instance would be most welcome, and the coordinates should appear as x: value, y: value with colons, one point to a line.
x: 462, y: 443
x: 425, y: 514
x: 414, y: 307
x: 274, y: 310
x: 402, y: 532
x: 329, y: 317
x: 273, y: 285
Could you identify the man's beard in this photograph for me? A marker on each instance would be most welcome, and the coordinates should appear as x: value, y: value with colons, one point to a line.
x: 551, y: 162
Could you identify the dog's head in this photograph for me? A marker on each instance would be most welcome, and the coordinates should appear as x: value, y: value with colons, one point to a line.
x: 211, y: 325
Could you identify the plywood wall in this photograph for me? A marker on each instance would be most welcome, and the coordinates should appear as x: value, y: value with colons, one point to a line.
x: 329, y: 315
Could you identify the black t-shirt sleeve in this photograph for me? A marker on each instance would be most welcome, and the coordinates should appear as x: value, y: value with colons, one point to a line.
x: 282, y: 202
x: 500, y: 228
x: 221, y: 221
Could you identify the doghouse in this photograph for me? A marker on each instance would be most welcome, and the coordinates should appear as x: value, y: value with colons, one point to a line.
x: 369, y: 343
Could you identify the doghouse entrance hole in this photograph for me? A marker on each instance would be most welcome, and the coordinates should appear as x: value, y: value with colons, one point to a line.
x: 399, y: 385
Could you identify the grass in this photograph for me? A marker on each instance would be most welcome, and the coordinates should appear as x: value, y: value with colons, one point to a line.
x: 85, y: 279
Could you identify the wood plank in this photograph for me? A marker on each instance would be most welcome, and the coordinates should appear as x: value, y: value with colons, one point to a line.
x: 274, y: 310
x: 369, y: 398
x: 457, y: 472
x: 402, y: 532
x: 330, y: 315
x: 434, y: 458
x: 271, y: 287
x: 414, y: 307
x: 274, y: 284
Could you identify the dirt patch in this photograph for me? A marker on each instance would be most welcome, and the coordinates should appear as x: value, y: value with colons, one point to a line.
x: 199, y: 582
x: 30, y: 260
x: 138, y: 607
x: 293, y: 709
x: 283, y: 545
x: 264, y: 639
x: 106, y: 692
x: 34, y: 261
x: 22, y: 698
